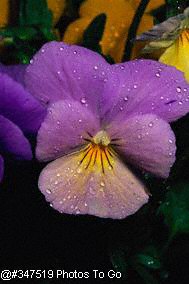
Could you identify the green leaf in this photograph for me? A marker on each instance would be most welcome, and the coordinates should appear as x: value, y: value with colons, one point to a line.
x: 118, y: 261
x: 149, y: 257
x: 94, y: 33
x: 35, y: 13
x: 175, y: 7
x: 175, y: 209
x: 147, y: 276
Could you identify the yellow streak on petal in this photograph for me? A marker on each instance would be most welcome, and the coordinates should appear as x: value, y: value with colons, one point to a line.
x: 178, y: 54
x: 96, y: 158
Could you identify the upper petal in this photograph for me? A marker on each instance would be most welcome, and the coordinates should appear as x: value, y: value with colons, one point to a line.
x: 1, y: 168
x: 146, y: 141
x: 74, y: 188
x: 19, y: 106
x: 65, y: 127
x: 60, y: 71
x: 147, y: 86
x: 13, y: 141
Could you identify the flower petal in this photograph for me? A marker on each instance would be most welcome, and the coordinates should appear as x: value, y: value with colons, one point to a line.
x: 64, y: 128
x: 1, y: 168
x: 16, y: 72
x: 61, y: 71
x: 74, y: 189
x: 4, y: 8
x: 146, y: 141
x: 19, y: 106
x: 57, y: 7
x: 13, y: 141
x: 147, y: 86
x: 178, y: 54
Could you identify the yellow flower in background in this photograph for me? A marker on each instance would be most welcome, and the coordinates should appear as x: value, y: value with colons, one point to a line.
x: 56, y: 6
x: 171, y: 39
x: 120, y: 15
x: 4, y: 12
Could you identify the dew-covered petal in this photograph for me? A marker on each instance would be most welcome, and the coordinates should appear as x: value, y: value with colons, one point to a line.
x: 19, y: 106
x: 1, y: 168
x: 148, y: 86
x: 17, y: 72
x: 65, y: 127
x: 60, y: 71
x: 146, y: 141
x: 74, y: 188
x: 13, y: 141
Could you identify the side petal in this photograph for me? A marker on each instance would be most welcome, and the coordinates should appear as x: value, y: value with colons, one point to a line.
x: 1, y: 168
x: 13, y: 141
x: 147, y: 86
x: 17, y: 72
x: 147, y: 142
x: 60, y: 71
x: 178, y: 54
x: 19, y: 106
x: 65, y: 127
x: 73, y: 188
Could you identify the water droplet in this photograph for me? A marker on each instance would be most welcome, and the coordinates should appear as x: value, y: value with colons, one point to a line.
x: 139, y: 136
x: 121, y: 108
x: 58, y: 122
x: 83, y: 100
x: 31, y: 61
x: 105, y: 80
x: 79, y: 170
x: 48, y: 191
x: 92, y: 190
x: 58, y: 72
x: 158, y: 74
x: 77, y: 211
x: 56, y: 182
x: 178, y: 89
x: 161, y: 97
x: 135, y: 86
x: 125, y: 99
x: 102, y: 184
x: 180, y: 103
x: 185, y: 89
x: 95, y: 67
x: 151, y: 124
x: 61, y: 48
x: 86, y: 204
x: 122, y: 67
x: 58, y: 175
x: 75, y: 52
x: 170, y: 141
x: 80, y: 120
x: 170, y: 154
x: 42, y: 50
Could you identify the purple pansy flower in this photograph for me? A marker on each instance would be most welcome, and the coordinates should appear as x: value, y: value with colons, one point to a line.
x: 102, y: 118
x: 20, y: 114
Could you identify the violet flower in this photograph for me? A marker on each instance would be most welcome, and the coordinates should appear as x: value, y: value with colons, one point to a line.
x: 20, y: 114
x: 100, y: 118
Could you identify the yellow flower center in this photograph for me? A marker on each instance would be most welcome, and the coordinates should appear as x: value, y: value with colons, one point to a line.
x: 98, y: 155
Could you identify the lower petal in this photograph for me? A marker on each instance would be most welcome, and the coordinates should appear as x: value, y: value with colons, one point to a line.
x: 75, y: 184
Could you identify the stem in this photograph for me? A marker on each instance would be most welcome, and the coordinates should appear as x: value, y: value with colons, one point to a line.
x: 133, y: 29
